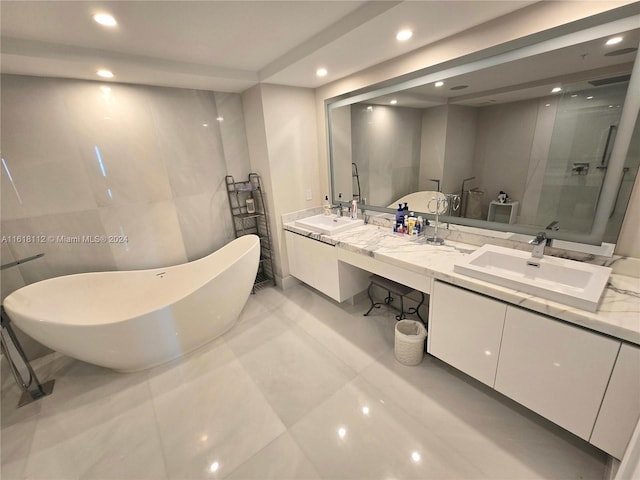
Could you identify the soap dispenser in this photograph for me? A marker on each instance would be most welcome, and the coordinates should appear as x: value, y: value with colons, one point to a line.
x: 327, y: 206
x: 399, y: 215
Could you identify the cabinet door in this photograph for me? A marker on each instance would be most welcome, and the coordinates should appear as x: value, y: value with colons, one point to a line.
x: 555, y: 369
x: 299, y: 263
x: 621, y: 405
x: 315, y: 263
x: 465, y: 330
x: 324, y: 262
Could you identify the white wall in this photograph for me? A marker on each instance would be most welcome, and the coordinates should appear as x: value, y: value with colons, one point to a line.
x: 447, y: 148
x: 432, y: 148
x: 342, y: 155
x: 131, y: 161
x: 460, y: 146
x: 386, y: 145
x: 283, y: 149
x: 503, y: 147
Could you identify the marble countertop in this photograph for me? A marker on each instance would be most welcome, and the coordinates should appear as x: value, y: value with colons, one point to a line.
x: 618, y: 314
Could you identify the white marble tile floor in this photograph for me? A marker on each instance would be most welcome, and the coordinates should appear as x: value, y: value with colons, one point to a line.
x: 301, y: 388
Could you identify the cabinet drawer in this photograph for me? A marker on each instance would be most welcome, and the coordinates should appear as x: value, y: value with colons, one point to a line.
x: 316, y: 264
x: 465, y: 330
x: 555, y: 369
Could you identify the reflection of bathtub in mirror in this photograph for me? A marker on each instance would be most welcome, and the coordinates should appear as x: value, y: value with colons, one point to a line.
x: 417, y: 201
x: 426, y: 200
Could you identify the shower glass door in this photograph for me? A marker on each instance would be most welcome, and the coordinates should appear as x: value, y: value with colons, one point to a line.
x: 586, y: 121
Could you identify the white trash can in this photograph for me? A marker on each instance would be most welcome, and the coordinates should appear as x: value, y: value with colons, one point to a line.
x: 409, y: 342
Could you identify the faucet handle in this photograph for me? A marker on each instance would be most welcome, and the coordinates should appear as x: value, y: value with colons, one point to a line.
x: 539, y: 238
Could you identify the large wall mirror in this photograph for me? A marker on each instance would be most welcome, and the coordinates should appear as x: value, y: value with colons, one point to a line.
x: 552, y: 124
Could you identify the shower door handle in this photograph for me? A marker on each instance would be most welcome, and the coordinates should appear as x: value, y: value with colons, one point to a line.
x: 606, y: 153
x: 615, y: 204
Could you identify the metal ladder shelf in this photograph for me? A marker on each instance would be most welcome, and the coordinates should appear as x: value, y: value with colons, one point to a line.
x: 248, y: 220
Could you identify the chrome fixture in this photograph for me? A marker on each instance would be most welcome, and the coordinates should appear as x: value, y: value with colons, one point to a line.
x: 31, y: 387
x: 553, y: 226
x: 339, y: 208
x: 442, y: 204
x: 463, y: 209
x: 21, y: 261
x: 539, y: 242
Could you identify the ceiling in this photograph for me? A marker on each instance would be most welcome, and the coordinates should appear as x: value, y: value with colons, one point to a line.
x: 570, y: 68
x: 225, y: 45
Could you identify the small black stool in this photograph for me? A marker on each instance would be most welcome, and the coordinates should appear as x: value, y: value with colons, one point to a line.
x: 396, y: 288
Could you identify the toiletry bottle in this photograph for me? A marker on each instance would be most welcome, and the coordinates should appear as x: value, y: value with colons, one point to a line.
x: 419, y: 224
x: 327, y: 206
x: 354, y: 209
x: 399, y: 214
x: 411, y: 230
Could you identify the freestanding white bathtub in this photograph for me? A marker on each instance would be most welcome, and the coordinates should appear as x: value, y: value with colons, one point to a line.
x: 133, y: 320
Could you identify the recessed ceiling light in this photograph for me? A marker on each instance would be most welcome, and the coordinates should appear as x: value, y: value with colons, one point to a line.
x: 393, y: 102
x: 404, y: 35
x: 439, y: 84
x: 105, y: 19
x: 574, y: 95
x: 589, y: 97
x: 613, y: 41
x: 321, y: 72
x: 556, y: 90
x: 220, y: 118
x: 105, y: 73
x: 369, y: 108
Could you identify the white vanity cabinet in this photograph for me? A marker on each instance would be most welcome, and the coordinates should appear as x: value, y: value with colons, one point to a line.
x: 316, y: 264
x: 465, y: 330
x: 620, y: 408
x: 586, y: 382
x: 557, y: 370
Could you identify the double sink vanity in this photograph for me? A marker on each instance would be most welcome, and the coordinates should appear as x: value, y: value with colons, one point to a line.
x: 561, y: 337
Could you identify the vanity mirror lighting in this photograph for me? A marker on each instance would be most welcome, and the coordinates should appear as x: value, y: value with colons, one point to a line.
x: 552, y: 123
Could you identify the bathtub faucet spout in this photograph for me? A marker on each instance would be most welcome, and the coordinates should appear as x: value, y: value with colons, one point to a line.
x: 32, y: 389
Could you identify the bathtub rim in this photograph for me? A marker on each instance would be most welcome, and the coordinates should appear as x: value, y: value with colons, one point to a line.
x: 252, y: 241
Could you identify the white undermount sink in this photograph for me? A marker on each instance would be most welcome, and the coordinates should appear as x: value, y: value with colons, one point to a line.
x: 564, y: 281
x: 328, y: 224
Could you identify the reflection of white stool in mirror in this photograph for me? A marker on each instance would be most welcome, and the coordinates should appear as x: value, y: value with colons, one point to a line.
x: 503, y: 212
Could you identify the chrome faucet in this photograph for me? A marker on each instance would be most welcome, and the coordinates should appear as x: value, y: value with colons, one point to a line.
x: 539, y: 242
x: 553, y: 226
x: 339, y: 209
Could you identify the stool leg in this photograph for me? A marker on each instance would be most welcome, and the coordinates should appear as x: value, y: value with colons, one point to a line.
x: 402, y: 316
x: 389, y: 298
x: 373, y: 304
x: 418, y: 309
